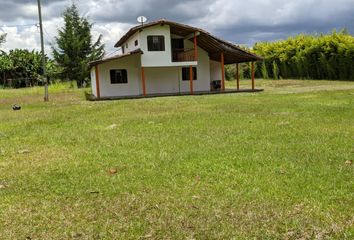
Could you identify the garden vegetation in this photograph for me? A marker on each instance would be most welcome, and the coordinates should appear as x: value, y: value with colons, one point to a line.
x: 321, y: 56
x: 72, y: 51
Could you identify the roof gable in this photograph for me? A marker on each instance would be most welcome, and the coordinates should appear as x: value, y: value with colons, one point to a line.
x: 211, y: 44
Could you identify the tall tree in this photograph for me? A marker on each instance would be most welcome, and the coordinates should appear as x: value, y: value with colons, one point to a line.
x: 2, y: 38
x: 3, y: 60
x: 74, y: 47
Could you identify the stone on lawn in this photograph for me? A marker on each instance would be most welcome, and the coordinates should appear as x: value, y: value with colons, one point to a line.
x: 23, y: 151
x: 110, y: 127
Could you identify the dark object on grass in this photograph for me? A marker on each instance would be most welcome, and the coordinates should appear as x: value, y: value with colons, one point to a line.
x: 16, y: 107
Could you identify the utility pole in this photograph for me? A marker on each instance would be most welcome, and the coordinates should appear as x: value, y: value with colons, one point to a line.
x: 46, y: 97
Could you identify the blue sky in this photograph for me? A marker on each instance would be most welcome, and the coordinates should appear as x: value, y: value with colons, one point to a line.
x: 238, y: 21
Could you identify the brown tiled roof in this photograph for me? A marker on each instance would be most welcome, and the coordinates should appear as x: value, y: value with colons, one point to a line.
x: 137, y: 51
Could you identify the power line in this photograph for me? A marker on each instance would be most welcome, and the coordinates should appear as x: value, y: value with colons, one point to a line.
x: 109, y: 54
x: 19, y: 25
x: 48, y: 34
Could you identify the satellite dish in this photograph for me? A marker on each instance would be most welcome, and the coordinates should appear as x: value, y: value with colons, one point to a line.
x: 142, y: 20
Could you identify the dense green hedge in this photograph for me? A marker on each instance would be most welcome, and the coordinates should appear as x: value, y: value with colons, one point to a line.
x: 308, y: 57
x: 304, y: 57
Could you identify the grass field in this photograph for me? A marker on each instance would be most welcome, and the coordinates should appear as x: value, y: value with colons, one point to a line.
x: 271, y: 165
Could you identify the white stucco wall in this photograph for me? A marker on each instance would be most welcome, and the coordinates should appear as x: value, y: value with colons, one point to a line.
x: 93, y: 81
x: 131, y: 43
x: 169, y: 80
x: 158, y: 79
x: 156, y: 58
x: 133, y: 87
x: 162, y: 80
x: 215, y: 70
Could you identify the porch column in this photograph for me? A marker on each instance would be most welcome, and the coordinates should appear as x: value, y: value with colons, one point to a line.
x: 143, y: 81
x: 191, y: 79
x: 252, y: 75
x: 238, y: 76
x: 195, y: 47
x: 222, y: 72
x: 97, y: 82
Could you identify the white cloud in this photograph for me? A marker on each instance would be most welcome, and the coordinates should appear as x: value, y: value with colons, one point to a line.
x: 28, y: 38
x: 111, y: 32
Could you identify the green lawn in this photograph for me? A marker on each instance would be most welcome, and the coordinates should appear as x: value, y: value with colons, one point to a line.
x: 270, y: 165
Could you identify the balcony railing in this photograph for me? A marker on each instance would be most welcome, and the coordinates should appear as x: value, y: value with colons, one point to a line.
x: 183, y: 55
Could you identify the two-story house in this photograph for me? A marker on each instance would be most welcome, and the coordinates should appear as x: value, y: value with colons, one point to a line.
x: 165, y: 57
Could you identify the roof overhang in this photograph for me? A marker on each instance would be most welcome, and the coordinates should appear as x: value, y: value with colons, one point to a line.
x: 108, y: 59
x: 211, y: 44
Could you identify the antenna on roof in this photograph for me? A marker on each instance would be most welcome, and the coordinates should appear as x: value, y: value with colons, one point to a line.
x: 142, y: 20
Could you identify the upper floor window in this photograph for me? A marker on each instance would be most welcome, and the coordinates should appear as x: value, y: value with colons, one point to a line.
x: 136, y: 42
x: 118, y: 76
x: 156, y: 43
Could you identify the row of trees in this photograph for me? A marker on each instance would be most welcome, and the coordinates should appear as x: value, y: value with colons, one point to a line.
x: 304, y: 57
x: 73, y: 50
x: 309, y: 57
x: 22, y: 68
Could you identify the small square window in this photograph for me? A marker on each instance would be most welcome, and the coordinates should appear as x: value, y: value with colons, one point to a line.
x: 185, y: 73
x: 119, y: 76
